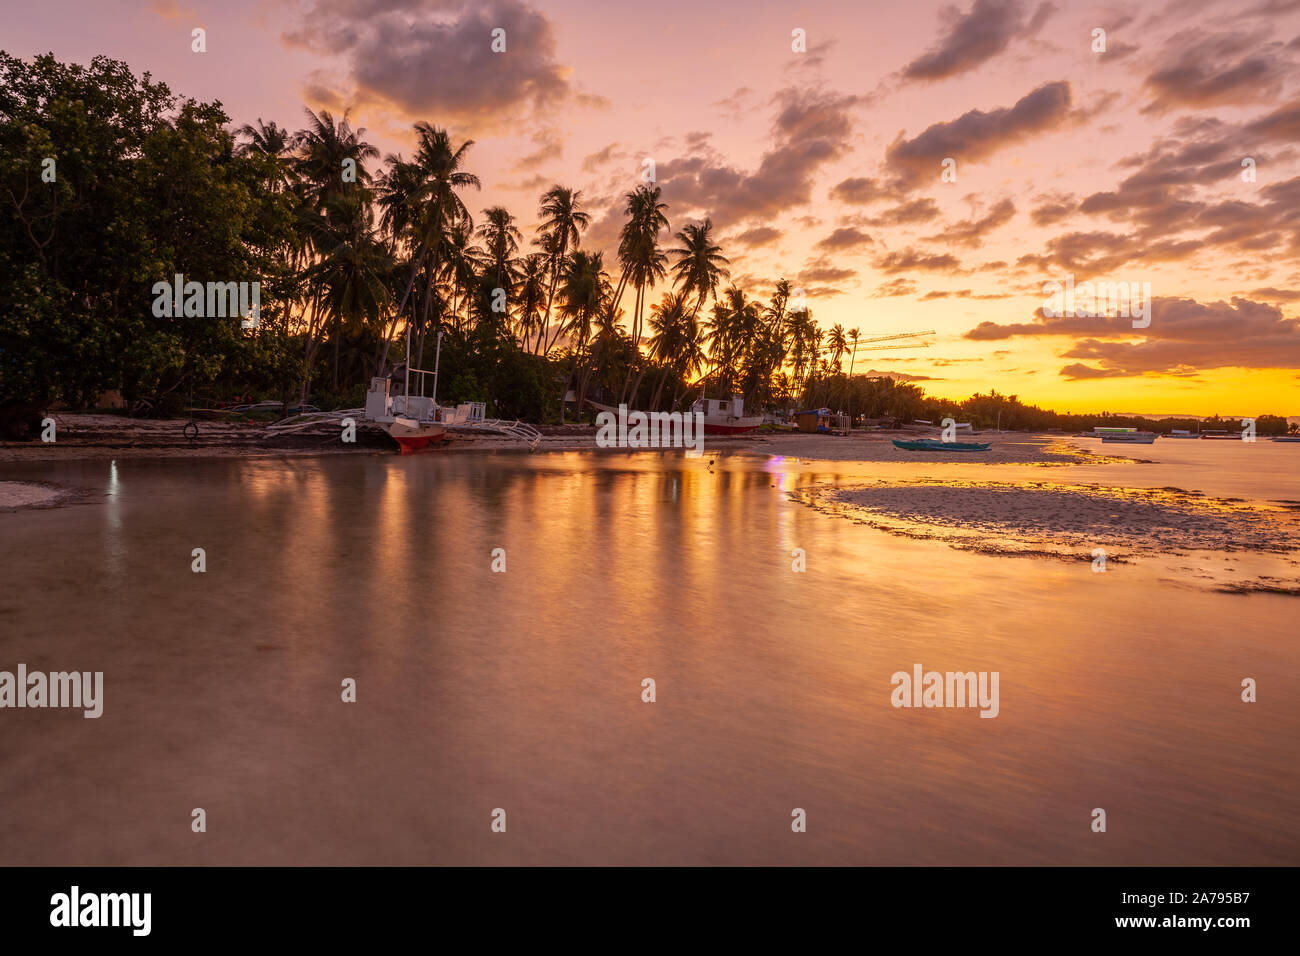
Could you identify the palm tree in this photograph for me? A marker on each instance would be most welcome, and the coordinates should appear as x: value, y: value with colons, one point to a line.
x: 461, y: 261
x: 324, y: 149
x: 530, y: 293
x: 854, y: 335
x: 582, y: 294
x: 501, y: 239
x: 837, y: 344
x: 563, y: 223
x: 642, y: 259
x: 676, y: 344
x: 582, y: 297
x: 638, y: 248
x: 435, y: 206
x: 273, y: 142
x: 351, y: 270
x: 330, y: 203
x: 732, y: 329
x: 700, y: 264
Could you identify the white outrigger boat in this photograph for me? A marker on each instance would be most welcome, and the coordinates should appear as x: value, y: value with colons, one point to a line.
x: 414, y: 421
x: 1128, y: 436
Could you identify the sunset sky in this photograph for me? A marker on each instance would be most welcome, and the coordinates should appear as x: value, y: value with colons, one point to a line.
x: 824, y: 166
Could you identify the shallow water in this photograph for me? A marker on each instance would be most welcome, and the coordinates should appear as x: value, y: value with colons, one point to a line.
x: 479, y: 690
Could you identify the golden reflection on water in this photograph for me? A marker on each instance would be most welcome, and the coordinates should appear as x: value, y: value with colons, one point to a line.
x: 523, y: 690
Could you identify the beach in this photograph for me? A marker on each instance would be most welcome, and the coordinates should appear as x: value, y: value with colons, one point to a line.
x: 90, y: 436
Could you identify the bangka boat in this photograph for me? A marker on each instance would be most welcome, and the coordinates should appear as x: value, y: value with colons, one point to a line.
x: 1287, y: 438
x: 1183, y: 433
x: 1127, y: 436
x: 1220, y: 434
x: 413, y: 421
x: 721, y: 416
x: 927, y: 444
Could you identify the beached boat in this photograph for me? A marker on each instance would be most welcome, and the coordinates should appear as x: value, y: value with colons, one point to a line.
x: 413, y: 421
x: 1135, y: 438
x: 726, y: 416
x: 1288, y: 438
x: 1183, y: 433
x: 414, y: 435
x: 927, y: 444
x: 1126, y: 436
x: 721, y: 416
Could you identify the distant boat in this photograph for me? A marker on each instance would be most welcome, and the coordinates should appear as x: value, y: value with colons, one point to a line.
x: 1288, y: 438
x: 1126, y: 436
x: 1220, y: 434
x: 1131, y: 438
x: 928, y: 444
x: 720, y: 416
x: 1183, y: 433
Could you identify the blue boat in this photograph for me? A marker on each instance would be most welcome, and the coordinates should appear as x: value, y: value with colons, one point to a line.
x: 929, y: 444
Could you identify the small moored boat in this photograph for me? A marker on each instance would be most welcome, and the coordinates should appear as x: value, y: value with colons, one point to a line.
x: 1127, y: 436
x: 928, y: 444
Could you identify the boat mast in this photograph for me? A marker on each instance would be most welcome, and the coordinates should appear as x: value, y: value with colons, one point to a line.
x: 437, y: 356
x: 407, y: 400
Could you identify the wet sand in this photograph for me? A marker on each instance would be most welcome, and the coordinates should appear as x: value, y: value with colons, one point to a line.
x: 31, y: 494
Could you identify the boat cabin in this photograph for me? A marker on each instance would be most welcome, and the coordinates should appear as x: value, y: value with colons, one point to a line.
x: 733, y: 407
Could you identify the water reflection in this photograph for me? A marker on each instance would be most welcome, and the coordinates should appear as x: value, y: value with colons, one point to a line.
x: 522, y: 689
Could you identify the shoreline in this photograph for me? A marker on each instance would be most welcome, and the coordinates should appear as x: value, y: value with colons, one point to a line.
x: 90, y: 437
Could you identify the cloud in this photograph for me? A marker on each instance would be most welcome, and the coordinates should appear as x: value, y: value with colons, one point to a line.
x: 846, y: 237
x: 857, y: 189
x: 592, y: 161
x: 758, y: 236
x: 1278, y: 295
x: 1099, y: 251
x: 1052, y: 210
x: 914, y: 211
x: 812, y: 127
x: 896, y: 376
x: 172, y: 10
x: 976, y: 37
x: 894, y: 287
x: 435, y: 57
x: 909, y: 259
x: 1216, y: 69
x: 820, y: 270
x: 550, y: 145
x: 977, y: 134
x: 1185, y: 336
x: 969, y: 232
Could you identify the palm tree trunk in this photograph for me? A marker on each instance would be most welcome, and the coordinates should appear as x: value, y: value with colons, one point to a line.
x: 381, y: 351
x: 555, y: 280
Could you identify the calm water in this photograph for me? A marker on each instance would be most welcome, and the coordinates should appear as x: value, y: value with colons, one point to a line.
x: 522, y: 690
